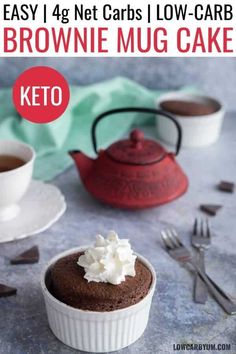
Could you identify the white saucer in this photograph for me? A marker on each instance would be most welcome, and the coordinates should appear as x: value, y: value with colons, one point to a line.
x: 42, y: 206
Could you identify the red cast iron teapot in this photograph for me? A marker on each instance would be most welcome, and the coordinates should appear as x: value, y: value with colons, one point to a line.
x: 134, y: 173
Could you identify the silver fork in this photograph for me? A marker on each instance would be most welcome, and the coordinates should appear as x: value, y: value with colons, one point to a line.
x: 201, y: 239
x: 180, y: 253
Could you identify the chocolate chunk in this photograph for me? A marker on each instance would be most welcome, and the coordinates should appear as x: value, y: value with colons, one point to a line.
x: 6, y: 290
x: 210, y: 209
x: 226, y: 186
x: 27, y: 257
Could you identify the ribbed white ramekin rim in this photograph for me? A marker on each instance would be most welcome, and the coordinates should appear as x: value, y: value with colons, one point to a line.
x: 94, y: 331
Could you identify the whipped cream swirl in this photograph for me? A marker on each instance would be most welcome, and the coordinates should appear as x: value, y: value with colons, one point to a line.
x: 109, y: 261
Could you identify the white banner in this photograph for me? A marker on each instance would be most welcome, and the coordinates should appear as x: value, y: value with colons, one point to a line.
x: 117, y: 28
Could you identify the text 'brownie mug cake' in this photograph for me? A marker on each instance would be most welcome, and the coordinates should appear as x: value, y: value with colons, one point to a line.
x: 98, y: 298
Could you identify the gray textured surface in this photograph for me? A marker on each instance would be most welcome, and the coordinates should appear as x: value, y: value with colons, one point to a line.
x: 215, y: 76
x: 174, y: 317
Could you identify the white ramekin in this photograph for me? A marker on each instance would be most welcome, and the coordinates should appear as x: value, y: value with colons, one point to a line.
x: 197, y: 131
x: 92, y: 331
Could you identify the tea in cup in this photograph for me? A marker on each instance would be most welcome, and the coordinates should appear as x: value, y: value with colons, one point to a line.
x: 16, y: 168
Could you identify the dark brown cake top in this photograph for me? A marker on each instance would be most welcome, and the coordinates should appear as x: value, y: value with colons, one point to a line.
x: 188, y: 108
x: 69, y: 286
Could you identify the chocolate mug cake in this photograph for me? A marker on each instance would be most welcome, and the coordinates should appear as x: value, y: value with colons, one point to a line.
x: 199, y: 116
x: 98, y: 298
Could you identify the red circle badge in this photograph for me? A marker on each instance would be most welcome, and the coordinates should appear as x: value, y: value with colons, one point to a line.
x: 41, y: 94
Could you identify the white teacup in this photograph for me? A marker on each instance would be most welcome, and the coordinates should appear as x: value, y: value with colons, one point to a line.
x: 15, y: 182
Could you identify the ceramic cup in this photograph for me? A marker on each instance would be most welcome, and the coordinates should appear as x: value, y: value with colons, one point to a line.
x: 197, y: 131
x: 92, y: 331
x: 14, y: 183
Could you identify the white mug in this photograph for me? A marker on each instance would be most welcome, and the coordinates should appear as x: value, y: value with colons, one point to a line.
x: 14, y: 183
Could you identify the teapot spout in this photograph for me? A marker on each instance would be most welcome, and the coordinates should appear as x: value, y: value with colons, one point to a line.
x: 82, y: 162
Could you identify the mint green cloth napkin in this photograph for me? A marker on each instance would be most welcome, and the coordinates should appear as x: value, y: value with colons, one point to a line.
x: 72, y: 130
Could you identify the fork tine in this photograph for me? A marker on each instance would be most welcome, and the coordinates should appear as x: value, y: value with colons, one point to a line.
x: 202, y: 228
x: 172, y: 238
x: 208, y: 233
x: 195, y: 227
x: 176, y: 238
x: 166, y: 240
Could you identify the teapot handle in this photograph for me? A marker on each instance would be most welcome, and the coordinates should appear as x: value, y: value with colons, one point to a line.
x: 141, y: 110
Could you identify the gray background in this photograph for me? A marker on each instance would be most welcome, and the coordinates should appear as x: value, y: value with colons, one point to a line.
x: 215, y: 76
